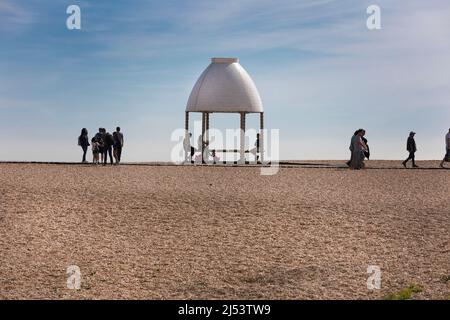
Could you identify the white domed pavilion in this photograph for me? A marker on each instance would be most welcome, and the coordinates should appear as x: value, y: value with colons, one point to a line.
x: 225, y: 87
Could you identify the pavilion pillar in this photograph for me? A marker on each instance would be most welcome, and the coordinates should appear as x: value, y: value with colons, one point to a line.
x: 242, y: 142
x: 203, y: 135
x: 207, y: 133
x: 186, y: 136
x: 207, y: 128
x: 261, y: 137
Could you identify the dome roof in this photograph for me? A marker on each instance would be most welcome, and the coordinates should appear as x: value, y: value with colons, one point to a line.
x: 224, y: 87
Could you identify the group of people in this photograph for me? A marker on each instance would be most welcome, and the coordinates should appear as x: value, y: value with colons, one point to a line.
x: 105, y: 144
x: 102, y: 144
x: 204, y: 146
x: 360, y: 150
x: 412, y: 149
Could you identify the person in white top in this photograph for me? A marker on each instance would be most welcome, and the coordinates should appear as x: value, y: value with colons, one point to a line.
x: 447, y: 145
x: 188, y: 148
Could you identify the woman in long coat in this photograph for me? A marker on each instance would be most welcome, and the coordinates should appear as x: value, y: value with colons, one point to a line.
x: 359, y: 148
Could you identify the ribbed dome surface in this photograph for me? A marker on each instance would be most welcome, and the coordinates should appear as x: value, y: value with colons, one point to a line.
x: 224, y: 87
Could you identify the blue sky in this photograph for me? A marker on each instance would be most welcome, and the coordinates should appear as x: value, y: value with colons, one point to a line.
x: 320, y: 72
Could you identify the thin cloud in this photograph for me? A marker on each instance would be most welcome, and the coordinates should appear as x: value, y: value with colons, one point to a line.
x: 13, y: 15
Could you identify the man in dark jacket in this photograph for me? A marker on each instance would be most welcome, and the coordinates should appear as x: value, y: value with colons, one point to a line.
x: 118, y: 144
x: 108, y: 142
x: 411, y: 147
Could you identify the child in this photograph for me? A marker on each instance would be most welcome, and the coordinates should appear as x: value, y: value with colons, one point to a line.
x: 95, y: 150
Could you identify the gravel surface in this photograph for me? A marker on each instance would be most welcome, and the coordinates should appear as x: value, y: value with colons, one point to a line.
x: 157, y: 232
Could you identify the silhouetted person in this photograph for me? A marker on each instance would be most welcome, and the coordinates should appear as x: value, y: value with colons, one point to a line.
x: 188, y: 147
x: 202, y: 148
x: 367, y: 151
x: 118, y: 144
x: 108, y: 142
x: 359, y: 147
x: 351, y: 147
x: 256, y: 151
x: 101, y: 145
x: 95, y: 150
x: 447, y: 145
x: 411, y: 147
x: 83, y: 142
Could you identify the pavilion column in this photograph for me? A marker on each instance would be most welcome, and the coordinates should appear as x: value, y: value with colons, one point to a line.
x: 261, y: 136
x: 186, y: 135
x: 242, y: 142
x: 207, y: 128
x: 207, y: 133
x: 203, y: 134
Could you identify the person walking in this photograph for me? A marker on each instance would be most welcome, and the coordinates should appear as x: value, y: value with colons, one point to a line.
x: 447, y: 145
x: 188, y: 147
x: 118, y: 144
x: 411, y: 147
x: 256, y: 150
x: 83, y: 142
x: 351, y: 147
x: 367, y: 151
x: 359, y: 147
x: 108, y: 142
x: 117, y: 149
